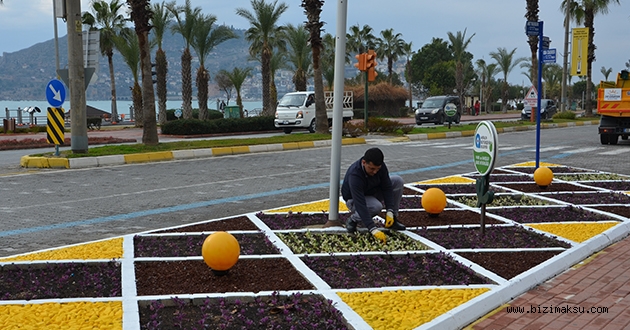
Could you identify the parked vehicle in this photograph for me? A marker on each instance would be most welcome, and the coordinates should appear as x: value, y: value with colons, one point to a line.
x: 613, y: 104
x: 432, y: 110
x: 548, y: 109
x: 297, y: 110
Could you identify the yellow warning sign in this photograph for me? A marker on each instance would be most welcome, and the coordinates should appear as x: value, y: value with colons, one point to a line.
x: 55, y: 126
x: 579, y: 51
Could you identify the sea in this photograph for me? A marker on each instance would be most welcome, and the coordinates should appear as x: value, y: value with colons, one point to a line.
x: 105, y: 105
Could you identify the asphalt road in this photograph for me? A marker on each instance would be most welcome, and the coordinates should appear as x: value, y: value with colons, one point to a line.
x: 47, y: 208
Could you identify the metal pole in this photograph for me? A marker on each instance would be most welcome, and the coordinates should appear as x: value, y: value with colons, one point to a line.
x: 540, y: 64
x: 76, y: 78
x: 56, y: 38
x: 335, y: 154
x: 365, y: 100
x: 565, y: 64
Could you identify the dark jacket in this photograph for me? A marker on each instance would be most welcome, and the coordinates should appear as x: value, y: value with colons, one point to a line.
x: 357, y: 184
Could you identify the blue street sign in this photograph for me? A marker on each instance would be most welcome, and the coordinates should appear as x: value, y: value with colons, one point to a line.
x: 549, y: 55
x: 532, y: 28
x: 55, y: 93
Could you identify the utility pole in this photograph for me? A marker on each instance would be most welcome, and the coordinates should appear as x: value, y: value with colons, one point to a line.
x: 76, y: 78
x: 565, y: 64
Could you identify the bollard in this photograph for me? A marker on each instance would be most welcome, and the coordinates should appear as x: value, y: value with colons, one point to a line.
x: 531, y: 115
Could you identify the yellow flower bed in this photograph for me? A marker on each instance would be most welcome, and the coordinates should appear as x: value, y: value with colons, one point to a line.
x: 406, y: 309
x: 109, y: 249
x: 448, y: 179
x: 322, y: 206
x: 577, y: 232
x: 531, y: 164
x: 77, y: 315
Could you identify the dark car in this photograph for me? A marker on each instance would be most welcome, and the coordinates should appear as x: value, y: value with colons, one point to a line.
x: 432, y: 110
x: 548, y: 109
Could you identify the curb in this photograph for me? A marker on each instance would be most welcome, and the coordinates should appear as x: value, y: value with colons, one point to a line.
x: 44, y: 162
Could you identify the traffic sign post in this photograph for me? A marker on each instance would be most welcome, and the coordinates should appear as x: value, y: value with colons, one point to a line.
x: 55, y: 93
x: 549, y: 56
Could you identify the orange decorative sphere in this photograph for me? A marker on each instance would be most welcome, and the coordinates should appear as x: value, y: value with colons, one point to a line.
x: 543, y: 176
x: 220, y: 251
x: 434, y: 201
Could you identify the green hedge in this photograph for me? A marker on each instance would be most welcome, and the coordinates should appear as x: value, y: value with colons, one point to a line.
x: 222, y: 125
x: 213, y: 114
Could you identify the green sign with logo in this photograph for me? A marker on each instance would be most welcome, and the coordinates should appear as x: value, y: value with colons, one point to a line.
x: 485, y: 147
x: 450, y: 109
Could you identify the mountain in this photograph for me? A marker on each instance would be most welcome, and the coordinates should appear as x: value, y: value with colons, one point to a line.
x: 25, y: 73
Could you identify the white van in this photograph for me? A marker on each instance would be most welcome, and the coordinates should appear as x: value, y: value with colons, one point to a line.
x: 297, y: 110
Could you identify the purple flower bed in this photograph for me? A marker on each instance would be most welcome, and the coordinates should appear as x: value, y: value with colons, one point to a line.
x: 505, y: 178
x: 548, y: 214
x: 190, y: 245
x: 495, y: 237
x: 296, y: 220
x: 554, y: 169
x: 592, y: 198
x: 451, y: 189
x: 416, y: 203
x: 611, y: 185
x: 65, y: 280
x: 236, y: 223
x: 295, y: 311
x: 364, y: 271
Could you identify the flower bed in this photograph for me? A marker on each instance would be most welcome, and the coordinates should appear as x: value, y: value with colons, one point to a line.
x: 190, y: 245
x: 520, y: 261
x: 505, y: 178
x: 194, y: 276
x: 60, y: 280
x: 446, y: 218
x: 553, y: 187
x: 451, y: 189
x: 620, y: 210
x: 504, y: 200
x: 295, y: 311
x: 296, y: 220
x: 369, y: 271
x: 495, y: 237
x: 309, y: 243
x: 548, y: 214
x: 554, y: 169
x: 236, y: 223
x: 577, y: 232
x: 611, y: 185
x: 589, y: 198
x: 591, y: 177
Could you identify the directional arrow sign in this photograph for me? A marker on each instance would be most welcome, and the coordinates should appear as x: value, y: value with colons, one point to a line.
x: 55, y: 93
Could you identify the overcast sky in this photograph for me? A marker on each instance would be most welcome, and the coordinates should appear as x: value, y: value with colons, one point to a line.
x: 495, y: 23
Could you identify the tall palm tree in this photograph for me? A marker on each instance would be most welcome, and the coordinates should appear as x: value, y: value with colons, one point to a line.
x: 327, y: 59
x: 552, y: 75
x: 109, y: 20
x: 532, y: 15
x: 298, y: 55
x: 237, y: 76
x: 359, y: 40
x: 276, y: 62
x: 606, y: 72
x: 459, y: 43
x: 205, y: 37
x: 487, y: 73
x: 584, y: 11
x: 160, y: 21
x: 264, y: 33
x: 313, y: 9
x: 390, y: 46
x: 506, y: 62
x: 185, y: 18
x: 127, y: 45
x: 408, y: 52
x: 141, y: 15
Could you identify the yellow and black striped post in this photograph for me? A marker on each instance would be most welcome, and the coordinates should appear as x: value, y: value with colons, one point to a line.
x: 55, y: 126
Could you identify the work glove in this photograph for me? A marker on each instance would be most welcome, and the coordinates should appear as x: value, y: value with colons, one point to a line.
x: 389, y: 218
x: 379, y: 235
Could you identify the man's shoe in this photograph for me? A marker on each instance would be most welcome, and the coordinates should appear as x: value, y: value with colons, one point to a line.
x: 351, y: 226
x: 397, y: 226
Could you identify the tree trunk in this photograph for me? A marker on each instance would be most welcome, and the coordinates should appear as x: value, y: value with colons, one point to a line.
x: 136, y: 98
x: 149, y: 129
x: 186, y: 84
x: 588, y: 22
x: 266, y: 81
x: 161, y: 67
x: 202, y: 92
x: 112, y: 78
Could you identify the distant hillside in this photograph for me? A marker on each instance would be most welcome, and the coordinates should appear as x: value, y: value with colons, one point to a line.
x: 25, y: 73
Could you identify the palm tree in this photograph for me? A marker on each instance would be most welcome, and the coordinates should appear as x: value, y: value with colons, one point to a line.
x: 552, y: 74
x: 237, y: 76
x: 298, y: 55
x: 606, y: 72
x: 107, y: 18
x: 141, y: 15
x: 532, y: 15
x: 313, y: 9
x: 185, y: 26
x: 584, y: 11
x: 204, y: 38
x: 327, y: 59
x: 263, y: 34
x: 127, y: 45
x: 276, y: 62
x: 506, y: 62
x: 408, y: 52
x: 160, y: 21
x: 390, y: 46
x: 359, y: 40
x: 487, y: 73
x: 459, y: 43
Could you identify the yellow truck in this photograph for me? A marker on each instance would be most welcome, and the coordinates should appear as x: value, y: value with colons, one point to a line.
x: 613, y: 104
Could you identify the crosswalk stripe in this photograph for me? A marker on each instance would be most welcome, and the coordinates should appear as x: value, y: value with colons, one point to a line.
x: 615, y: 152
x: 581, y: 150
